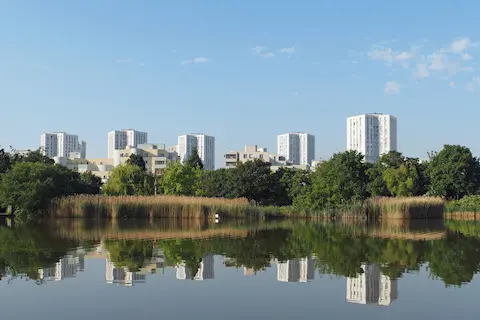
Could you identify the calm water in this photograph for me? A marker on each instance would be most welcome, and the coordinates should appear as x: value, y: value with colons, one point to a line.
x: 187, y: 270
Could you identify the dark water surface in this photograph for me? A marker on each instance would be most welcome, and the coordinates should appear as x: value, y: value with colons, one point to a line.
x: 195, y: 270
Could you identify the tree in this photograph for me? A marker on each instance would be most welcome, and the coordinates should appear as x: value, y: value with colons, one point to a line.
x: 89, y: 183
x: 453, y: 172
x: 136, y: 160
x: 5, y: 161
x: 339, y: 181
x: 30, y: 186
x: 405, y: 180
x: 253, y: 180
x: 129, y: 179
x: 180, y: 179
x: 290, y: 185
x: 194, y: 160
x: 32, y: 156
x: 215, y: 183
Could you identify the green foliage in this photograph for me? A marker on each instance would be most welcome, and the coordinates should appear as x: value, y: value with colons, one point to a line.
x: 89, y: 183
x: 215, y: 183
x: 402, y: 181
x: 194, y: 160
x: 466, y: 204
x: 180, y: 179
x: 130, y: 254
x: 5, y: 161
x: 454, y: 172
x: 129, y: 180
x: 136, y: 160
x: 29, y: 187
x: 339, y: 181
x: 253, y: 180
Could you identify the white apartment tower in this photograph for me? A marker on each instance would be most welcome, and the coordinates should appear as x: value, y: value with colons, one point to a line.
x: 61, y: 144
x: 120, y: 139
x: 297, y: 147
x: 204, y: 144
x: 372, y: 135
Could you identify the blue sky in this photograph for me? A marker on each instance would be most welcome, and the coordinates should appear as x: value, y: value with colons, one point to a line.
x: 243, y: 71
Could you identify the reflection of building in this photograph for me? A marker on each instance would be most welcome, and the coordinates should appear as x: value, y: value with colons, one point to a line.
x: 296, y: 270
x: 371, y: 287
x: 122, y: 275
x: 204, y: 272
x: 66, y: 267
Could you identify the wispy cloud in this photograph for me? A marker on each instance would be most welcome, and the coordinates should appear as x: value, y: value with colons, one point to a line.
x: 473, y: 85
x: 391, y: 87
x: 421, y: 71
x: 195, y: 60
x: 389, y: 56
x: 466, y: 56
x: 290, y: 50
x: 460, y: 44
x: 263, y: 52
x: 451, y: 84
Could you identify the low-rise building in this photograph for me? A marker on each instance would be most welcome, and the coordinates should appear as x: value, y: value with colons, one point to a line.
x: 101, y: 167
x: 251, y: 153
x: 156, y: 156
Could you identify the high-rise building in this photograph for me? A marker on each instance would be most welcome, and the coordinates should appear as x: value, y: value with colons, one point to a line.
x: 297, y: 147
x: 204, y: 144
x: 61, y: 144
x: 372, y: 135
x: 120, y: 139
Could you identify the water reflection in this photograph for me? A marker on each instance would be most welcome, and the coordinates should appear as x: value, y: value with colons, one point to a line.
x: 372, y: 258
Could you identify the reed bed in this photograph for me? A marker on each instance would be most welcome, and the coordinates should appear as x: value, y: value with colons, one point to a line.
x: 466, y: 208
x: 181, y: 207
x: 405, y: 208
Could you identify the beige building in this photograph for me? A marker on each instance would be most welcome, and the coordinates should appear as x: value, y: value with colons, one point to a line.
x: 156, y: 156
x: 251, y: 153
x: 101, y: 167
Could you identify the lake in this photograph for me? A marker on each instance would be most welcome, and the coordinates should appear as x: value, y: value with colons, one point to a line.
x: 231, y: 270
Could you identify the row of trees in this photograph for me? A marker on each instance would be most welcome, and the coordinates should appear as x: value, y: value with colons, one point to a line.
x: 451, y: 173
x: 29, y: 182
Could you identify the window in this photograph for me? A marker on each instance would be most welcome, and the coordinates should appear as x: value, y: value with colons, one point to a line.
x: 159, y: 162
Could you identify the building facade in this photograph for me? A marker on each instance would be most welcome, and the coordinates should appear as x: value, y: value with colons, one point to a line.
x: 372, y: 135
x: 204, y: 144
x: 121, y: 139
x: 156, y: 157
x: 297, y: 147
x: 250, y: 153
x: 62, y: 144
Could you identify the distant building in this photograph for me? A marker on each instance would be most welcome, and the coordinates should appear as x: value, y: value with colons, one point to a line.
x: 204, y: 144
x: 121, y: 139
x: 156, y: 156
x: 121, y: 275
x: 251, y: 153
x: 371, y: 287
x: 372, y: 135
x: 297, y: 147
x: 100, y: 167
x: 61, y: 144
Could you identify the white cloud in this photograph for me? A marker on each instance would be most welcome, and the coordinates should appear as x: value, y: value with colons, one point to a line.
x: 129, y: 60
x: 438, y: 61
x: 466, y: 56
x: 195, y: 60
x: 259, y: 49
x: 451, y: 84
x: 268, y: 55
x: 421, y: 71
x: 391, y: 87
x: 459, y: 45
x: 290, y: 50
x: 389, y: 56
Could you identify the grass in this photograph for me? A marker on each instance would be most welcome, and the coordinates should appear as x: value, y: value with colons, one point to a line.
x: 181, y: 207
x: 100, y: 206
x: 405, y: 208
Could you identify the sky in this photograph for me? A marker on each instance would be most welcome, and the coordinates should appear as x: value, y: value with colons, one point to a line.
x: 242, y: 71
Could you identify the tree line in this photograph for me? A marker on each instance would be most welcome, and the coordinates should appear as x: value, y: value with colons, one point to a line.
x: 29, y: 182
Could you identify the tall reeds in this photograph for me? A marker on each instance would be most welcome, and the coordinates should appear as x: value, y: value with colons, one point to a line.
x: 404, y: 208
x: 100, y: 206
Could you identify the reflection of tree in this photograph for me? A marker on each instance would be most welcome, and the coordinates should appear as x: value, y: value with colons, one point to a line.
x: 131, y: 254
x: 454, y: 259
x: 24, y: 250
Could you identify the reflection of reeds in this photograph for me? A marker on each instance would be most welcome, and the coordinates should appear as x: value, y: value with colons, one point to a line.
x: 99, y: 206
x: 469, y: 215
